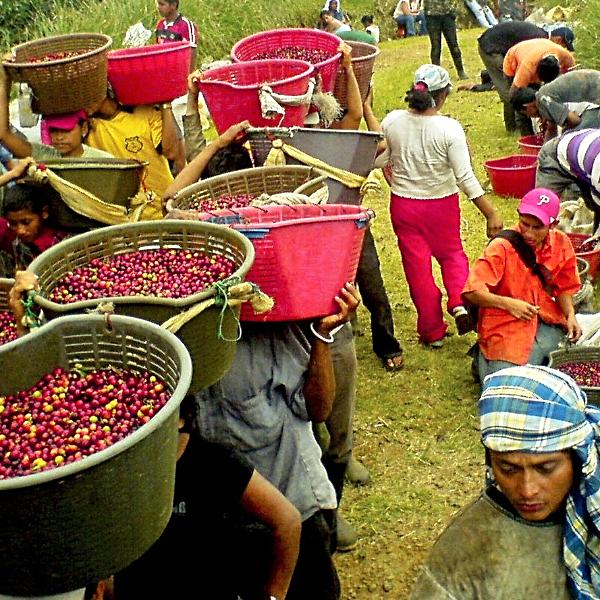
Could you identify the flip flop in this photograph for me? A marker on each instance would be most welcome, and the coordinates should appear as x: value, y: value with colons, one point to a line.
x: 393, y: 363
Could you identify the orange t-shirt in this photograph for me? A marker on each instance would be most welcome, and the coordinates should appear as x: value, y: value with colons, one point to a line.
x: 501, y: 271
x: 521, y: 61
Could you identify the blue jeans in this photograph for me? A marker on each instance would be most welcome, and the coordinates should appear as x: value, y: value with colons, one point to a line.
x: 422, y: 21
x: 409, y: 24
x: 547, y: 339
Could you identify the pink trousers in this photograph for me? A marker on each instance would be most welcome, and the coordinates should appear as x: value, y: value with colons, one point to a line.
x: 426, y: 229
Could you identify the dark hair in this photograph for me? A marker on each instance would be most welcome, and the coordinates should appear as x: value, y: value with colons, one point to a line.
x: 232, y: 158
x: 327, y: 12
x: 485, y: 76
x: 548, y: 68
x: 521, y: 97
x: 422, y: 99
x: 24, y: 196
x: 187, y: 412
x: 366, y: 19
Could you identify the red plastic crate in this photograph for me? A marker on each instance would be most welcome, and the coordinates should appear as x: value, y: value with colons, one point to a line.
x: 593, y: 257
x: 512, y: 175
x: 150, y: 74
x: 310, y: 39
x: 231, y: 92
x: 530, y: 144
x: 304, y: 254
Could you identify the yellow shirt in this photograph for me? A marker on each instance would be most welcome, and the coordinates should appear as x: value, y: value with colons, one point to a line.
x: 134, y: 135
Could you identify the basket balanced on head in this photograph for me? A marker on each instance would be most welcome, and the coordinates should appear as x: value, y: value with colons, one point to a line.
x: 158, y: 292
x: 64, y: 72
x: 62, y: 528
x: 363, y: 61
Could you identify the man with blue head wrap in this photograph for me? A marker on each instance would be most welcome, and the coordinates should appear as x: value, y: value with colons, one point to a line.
x: 534, y: 531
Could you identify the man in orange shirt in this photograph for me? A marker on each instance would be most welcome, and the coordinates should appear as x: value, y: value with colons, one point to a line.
x: 525, y: 311
x: 534, y: 62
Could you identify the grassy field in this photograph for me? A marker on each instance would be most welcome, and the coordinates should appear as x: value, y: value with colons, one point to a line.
x: 416, y: 430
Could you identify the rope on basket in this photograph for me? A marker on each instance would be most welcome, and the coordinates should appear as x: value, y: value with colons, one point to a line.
x: 30, y: 320
x: 271, y: 102
x: 88, y: 205
x: 229, y: 293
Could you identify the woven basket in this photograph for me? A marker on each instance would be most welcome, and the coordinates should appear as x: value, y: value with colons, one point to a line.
x: 310, y: 39
x: 64, y: 528
x: 256, y: 181
x: 64, y: 85
x: 5, y: 287
x: 579, y: 354
x: 211, y: 357
x: 363, y: 61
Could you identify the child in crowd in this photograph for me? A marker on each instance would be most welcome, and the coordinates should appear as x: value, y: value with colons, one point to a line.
x: 62, y: 135
x: 25, y: 231
x: 370, y: 27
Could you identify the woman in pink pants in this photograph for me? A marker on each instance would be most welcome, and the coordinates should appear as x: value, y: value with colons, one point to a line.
x: 430, y: 162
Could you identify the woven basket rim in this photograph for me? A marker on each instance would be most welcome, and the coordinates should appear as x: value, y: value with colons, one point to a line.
x: 374, y: 54
x: 175, y: 226
x: 185, y: 364
x: 69, y: 164
x: 107, y: 44
x: 151, y: 50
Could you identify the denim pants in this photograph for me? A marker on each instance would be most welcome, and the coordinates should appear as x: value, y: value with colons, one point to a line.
x: 409, y: 23
x: 444, y: 24
x: 372, y: 289
x: 547, y: 338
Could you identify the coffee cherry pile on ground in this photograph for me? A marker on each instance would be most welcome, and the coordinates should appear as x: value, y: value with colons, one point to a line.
x: 585, y: 373
x: 310, y: 55
x: 223, y: 201
x: 588, y: 246
x: 162, y: 273
x: 68, y: 415
x: 8, y: 327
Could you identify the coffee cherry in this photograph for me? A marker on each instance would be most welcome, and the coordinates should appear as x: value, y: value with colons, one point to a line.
x: 162, y: 273
x: 68, y: 415
x: 310, y: 55
x: 224, y: 201
x: 586, y: 374
x: 8, y: 327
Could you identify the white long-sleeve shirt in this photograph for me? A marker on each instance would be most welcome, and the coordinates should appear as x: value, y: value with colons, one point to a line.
x: 429, y: 155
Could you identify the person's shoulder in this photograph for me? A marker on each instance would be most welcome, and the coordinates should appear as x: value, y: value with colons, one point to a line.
x: 392, y: 116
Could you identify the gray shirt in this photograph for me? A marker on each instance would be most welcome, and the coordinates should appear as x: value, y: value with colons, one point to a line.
x: 488, y: 553
x: 259, y: 408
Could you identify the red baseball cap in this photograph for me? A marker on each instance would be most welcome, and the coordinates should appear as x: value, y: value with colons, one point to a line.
x: 541, y: 203
x: 65, y: 122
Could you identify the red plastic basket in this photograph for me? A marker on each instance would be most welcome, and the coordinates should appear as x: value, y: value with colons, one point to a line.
x: 304, y: 254
x: 309, y: 39
x: 530, y: 144
x: 592, y: 257
x: 231, y: 92
x: 512, y: 175
x: 150, y: 74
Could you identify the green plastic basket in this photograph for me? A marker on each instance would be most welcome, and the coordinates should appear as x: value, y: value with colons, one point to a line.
x: 578, y: 354
x: 211, y: 356
x: 71, y: 526
x: 259, y: 180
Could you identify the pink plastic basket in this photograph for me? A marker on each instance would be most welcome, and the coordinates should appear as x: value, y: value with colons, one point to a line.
x: 592, y: 257
x: 530, y: 144
x: 304, y: 254
x: 512, y: 175
x: 150, y: 74
x: 308, y: 39
x: 231, y: 92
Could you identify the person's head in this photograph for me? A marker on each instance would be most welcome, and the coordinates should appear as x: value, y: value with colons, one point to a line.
x: 524, y: 101
x: 543, y: 440
x: 333, y: 5
x: 327, y: 17
x: 484, y: 75
x: 65, y: 132
x: 538, y: 213
x: 366, y: 20
x: 167, y: 8
x: 548, y: 68
x: 232, y: 158
x: 563, y: 36
x: 431, y: 86
x: 26, y: 209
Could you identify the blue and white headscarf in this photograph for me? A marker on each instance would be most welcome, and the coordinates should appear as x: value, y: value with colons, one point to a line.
x: 538, y: 409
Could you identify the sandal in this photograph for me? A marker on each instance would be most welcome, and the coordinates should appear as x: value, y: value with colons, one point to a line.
x: 393, y: 363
